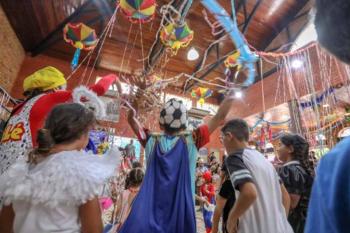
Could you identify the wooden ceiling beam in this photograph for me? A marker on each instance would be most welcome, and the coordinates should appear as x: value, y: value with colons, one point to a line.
x: 159, y: 48
x: 284, y: 23
x: 248, y: 20
x: 241, y: 3
x: 56, y: 35
x: 52, y: 36
x: 220, y: 61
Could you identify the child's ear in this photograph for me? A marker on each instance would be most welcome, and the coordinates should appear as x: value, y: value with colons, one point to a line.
x: 290, y: 149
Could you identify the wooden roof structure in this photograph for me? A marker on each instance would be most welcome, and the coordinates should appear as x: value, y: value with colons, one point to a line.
x: 268, y: 25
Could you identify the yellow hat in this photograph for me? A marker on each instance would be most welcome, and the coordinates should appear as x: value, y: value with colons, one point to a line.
x: 45, y: 79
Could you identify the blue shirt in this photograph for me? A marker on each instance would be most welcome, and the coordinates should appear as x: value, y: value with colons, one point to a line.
x: 329, y: 207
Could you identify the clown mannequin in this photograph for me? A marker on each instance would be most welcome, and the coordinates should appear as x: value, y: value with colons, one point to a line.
x: 165, y: 203
x: 44, y: 90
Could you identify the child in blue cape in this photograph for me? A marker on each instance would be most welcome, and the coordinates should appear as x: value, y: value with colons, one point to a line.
x: 165, y: 203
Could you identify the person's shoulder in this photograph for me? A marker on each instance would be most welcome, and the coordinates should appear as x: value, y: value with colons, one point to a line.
x: 250, y: 152
x: 335, y: 161
x: 237, y: 154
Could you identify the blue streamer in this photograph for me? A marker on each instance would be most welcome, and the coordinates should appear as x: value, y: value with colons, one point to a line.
x: 247, y: 58
x: 75, y: 60
x: 260, y: 120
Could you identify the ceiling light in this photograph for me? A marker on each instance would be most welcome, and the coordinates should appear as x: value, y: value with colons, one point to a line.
x: 296, y: 64
x: 238, y: 94
x: 192, y: 54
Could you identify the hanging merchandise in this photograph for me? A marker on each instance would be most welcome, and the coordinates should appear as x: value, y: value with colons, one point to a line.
x: 246, y: 58
x: 201, y: 93
x: 81, y: 37
x: 138, y: 11
x: 176, y: 36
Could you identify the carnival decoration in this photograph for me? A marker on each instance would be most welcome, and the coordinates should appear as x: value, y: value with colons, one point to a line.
x: 174, y: 115
x: 80, y: 37
x: 201, y: 93
x: 232, y: 60
x: 89, y: 99
x: 98, y: 143
x: 176, y: 36
x: 154, y: 82
x: 138, y: 11
x: 246, y: 58
x: 318, y: 99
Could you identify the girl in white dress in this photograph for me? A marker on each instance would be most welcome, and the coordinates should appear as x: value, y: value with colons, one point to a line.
x: 56, y: 189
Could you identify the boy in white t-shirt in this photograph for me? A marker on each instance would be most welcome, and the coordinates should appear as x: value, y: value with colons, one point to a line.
x: 262, y: 202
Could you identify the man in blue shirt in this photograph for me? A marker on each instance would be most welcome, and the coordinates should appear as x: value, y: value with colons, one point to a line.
x: 329, y: 207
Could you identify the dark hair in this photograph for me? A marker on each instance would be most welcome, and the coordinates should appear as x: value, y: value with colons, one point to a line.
x: 134, y: 178
x: 32, y: 93
x: 238, y: 127
x: 300, y: 151
x: 212, y: 157
x: 136, y: 164
x: 333, y: 27
x: 65, y: 123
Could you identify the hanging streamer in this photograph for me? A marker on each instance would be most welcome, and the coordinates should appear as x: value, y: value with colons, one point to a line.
x: 271, y: 123
x: 246, y: 59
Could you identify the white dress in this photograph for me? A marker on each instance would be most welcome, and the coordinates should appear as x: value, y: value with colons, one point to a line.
x: 46, y: 197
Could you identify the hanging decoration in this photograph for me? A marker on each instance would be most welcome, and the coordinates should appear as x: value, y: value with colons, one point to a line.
x: 201, y: 93
x: 232, y: 60
x: 246, y: 58
x: 318, y: 100
x: 154, y: 82
x: 271, y: 123
x: 176, y: 36
x: 80, y: 37
x: 138, y: 11
x: 98, y: 142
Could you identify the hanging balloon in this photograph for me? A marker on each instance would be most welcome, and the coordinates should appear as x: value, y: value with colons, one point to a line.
x: 138, y: 11
x: 80, y: 37
x: 201, y: 93
x: 176, y: 37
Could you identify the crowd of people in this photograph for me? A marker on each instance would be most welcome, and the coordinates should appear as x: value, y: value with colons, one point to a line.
x: 50, y: 183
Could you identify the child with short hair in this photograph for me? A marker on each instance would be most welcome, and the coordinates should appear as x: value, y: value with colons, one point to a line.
x: 56, y: 189
x: 262, y: 202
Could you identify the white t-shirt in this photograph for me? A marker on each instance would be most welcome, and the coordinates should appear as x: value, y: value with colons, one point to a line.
x: 267, y: 214
x: 46, y: 197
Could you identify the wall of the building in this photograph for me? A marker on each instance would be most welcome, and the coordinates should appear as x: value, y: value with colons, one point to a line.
x: 11, y: 53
